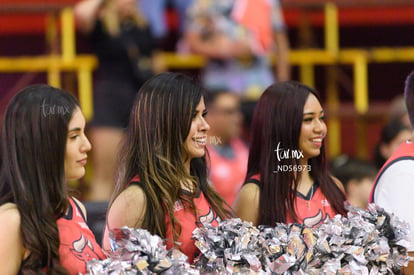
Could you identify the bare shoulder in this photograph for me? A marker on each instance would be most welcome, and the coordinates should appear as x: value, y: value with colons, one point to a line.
x: 128, y: 208
x: 10, y: 222
x: 246, y: 205
x: 9, y: 216
x: 250, y: 191
x: 11, y: 244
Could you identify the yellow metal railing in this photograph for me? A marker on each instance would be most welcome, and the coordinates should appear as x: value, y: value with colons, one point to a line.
x: 68, y: 34
x: 55, y: 63
x: 83, y: 65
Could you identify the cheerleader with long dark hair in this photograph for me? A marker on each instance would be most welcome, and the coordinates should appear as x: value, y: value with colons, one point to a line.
x: 43, y: 145
x: 287, y: 177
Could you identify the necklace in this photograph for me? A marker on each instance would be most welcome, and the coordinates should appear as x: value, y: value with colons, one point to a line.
x: 309, y: 201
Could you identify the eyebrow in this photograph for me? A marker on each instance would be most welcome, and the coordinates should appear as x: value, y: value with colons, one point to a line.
x: 312, y: 113
x: 75, y: 130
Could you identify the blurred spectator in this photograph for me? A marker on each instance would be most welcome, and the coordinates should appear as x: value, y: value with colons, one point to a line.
x: 398, y: 111
x: 392, y: 135
x: 125, y: 49
x: 155, y: 12
x: 357, y: 176
x: 228, y: 153
x: 236, y: 38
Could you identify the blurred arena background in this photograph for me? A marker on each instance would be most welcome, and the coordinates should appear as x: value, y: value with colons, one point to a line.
x: 357, y: 53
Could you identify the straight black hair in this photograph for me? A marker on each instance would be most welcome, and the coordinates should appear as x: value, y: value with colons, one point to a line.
x: 277, y: 119
x: 32, y: 174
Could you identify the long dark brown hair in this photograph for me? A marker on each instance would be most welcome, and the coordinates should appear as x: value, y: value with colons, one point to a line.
x: 277, y: 119
x: 153, y: 149
x: 33, y: 144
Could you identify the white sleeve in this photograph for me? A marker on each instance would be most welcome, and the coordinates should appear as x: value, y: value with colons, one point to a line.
x: 394, y: 192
